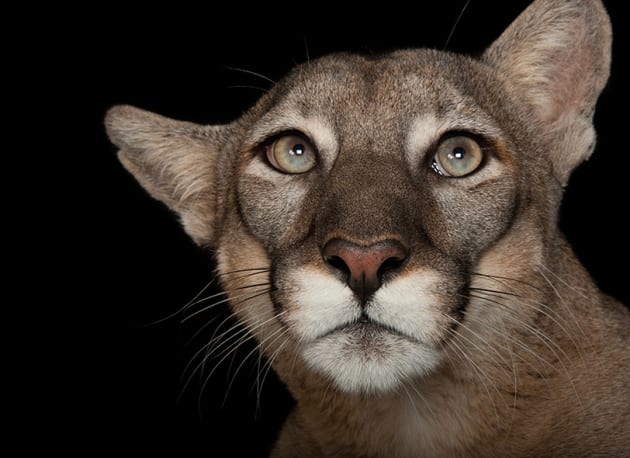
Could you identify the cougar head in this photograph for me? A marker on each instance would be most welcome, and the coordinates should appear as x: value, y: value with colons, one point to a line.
x: 361, y: 207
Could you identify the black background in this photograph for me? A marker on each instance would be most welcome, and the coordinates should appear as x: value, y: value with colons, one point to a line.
x: 125, y: 374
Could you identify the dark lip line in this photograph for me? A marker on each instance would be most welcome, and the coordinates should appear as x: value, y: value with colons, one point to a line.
x: 365, y: 320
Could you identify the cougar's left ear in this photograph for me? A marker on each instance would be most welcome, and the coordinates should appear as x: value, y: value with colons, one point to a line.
x: 556, y: 57
x: 174, y: 161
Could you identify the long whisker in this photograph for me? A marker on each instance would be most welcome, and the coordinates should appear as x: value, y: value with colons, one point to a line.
x: 471, y: 342
x: 207, y: 348
x: 201, y: 301
x: 562, y: 301
x: 248, y: 272
x: 422, y: 398
x: 504, y: 280
x: 549, y: 343
x: 561, y: 280
x: 248, y: 86
x: 250, y: 72
x: 263, y: 341
x: 247, y: 336
x: 278, y: 333
x: 514, y: 374
x: 265, y: 371
x: 517, y: 343
x: 481, y: 375
x: 227, y: 299
x: 450, y: 35
x: 219, y: 339
x: 196, y: 299
x: 184, y: 308
x: 412, y: 402
x: 215, y: 343
x: 538, y: 307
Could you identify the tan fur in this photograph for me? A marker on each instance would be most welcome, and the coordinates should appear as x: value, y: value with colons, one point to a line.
x: 490, y: 339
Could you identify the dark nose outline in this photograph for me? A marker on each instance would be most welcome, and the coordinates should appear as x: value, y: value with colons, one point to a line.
x: 364, y: 266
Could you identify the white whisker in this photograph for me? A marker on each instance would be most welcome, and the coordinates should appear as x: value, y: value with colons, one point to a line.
x: 549, y: 343
x: 481, y: 375
x: 562, y: 300
x: 250, y: 72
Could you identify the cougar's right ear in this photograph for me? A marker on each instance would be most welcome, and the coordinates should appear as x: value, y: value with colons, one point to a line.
x: 174, y: 161
x: 556, y: 57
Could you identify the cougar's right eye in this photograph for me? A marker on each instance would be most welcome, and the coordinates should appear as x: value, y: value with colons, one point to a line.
x: 291, y: 154
x: 457, y: 156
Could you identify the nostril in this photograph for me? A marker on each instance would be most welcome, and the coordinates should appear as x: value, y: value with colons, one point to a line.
x: 389, y: 264
x: 338, y: 263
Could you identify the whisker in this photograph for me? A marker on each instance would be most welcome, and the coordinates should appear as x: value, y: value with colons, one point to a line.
x: 247, y: 273
x: 481, y: 339
x: 413, y: 404
x: 308, y: 56
x: 238, y: 324
x: 248, y: 86
x: 562, y: 301
x: 196, y: 299
x: 549, y: 343
x: 250, y: 72
x: 215, y: 342
x: 208, y: 348
x: 481, y: 375
x: 539, y: 307
x: 450, y: 35
x: 184, y: 308
x: 501, y: 280
x: 518, y: 344
x: 247, y: 335
x: 422, y: 398
x: 260, y: 345
x: 561, y: 280
x: 208, y: 307
x: 201, y: 301
x: 278, y: 333
x: 514, y: 375
x: 206, y: 325
x: 269, y: 364
x: 226, y: 300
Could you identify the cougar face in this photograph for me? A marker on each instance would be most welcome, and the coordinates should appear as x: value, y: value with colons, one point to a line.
x: 374, y: 242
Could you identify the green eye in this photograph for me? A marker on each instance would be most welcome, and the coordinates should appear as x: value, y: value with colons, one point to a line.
x: 291, y: 154
x: 457, y: 157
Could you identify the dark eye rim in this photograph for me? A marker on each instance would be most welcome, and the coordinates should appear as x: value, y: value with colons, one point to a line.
x: 272, y: 139
x: 484, y: 143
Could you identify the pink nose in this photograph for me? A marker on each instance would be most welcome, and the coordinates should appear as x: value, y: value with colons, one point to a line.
x: 364, y: 266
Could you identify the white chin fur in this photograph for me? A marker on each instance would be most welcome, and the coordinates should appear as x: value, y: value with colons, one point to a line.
x: 356, y: 366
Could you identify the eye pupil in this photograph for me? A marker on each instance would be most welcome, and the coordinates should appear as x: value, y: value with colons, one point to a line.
x: 298, y: 150
x: 458, y: 153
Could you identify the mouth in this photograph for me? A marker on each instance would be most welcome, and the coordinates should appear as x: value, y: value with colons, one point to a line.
x: 366, y: 328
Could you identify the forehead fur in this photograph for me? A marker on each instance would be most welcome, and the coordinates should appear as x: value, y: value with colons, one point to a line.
x: 372, y: 98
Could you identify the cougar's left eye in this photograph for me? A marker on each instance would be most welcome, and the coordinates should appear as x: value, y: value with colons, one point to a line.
x: 457, y: 156
x: 291, y: 154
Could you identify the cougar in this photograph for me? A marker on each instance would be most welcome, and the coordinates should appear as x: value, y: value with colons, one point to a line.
x: 386, y: 228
